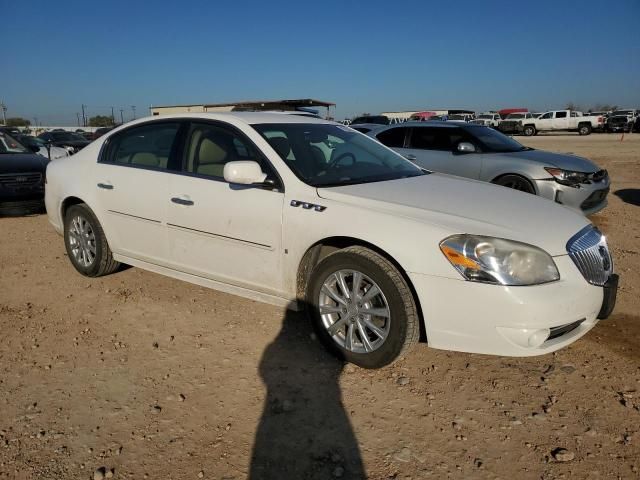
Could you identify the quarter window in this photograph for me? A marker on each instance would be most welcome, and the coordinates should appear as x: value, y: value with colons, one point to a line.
x: 148, y: 146
x: 392, y: 138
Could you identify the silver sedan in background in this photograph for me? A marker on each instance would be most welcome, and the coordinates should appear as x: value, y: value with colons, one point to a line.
x: 481, y: 153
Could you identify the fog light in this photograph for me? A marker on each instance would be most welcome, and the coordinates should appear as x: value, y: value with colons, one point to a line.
x: 525, y: 337
x: 538, y: 337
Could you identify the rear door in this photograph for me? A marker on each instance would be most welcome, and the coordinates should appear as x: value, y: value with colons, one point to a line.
x: 561, y: 120
x: 131, y: 182
x: 224, y: 232
x: 436, y: 149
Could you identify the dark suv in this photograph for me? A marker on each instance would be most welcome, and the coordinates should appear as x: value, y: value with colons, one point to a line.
x: 69, y: 140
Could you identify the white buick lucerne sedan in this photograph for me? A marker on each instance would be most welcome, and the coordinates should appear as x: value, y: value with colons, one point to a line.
x: 314, y: 215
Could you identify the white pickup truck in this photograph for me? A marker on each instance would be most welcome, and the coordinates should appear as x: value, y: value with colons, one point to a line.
x: 558, y: 120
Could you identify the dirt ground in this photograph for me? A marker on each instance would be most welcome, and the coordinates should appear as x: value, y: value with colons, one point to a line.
x: 142, y: 376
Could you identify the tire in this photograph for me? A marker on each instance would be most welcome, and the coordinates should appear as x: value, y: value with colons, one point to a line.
x: 86, y: 243
x: 529, y: 130
x: 584, y: 129
x: 516, y: 182
x: 395, y: 321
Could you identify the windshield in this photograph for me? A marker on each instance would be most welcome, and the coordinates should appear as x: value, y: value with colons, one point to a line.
x: 10, y: 145
x: 324, y: 155
x: 457, y: 117
x: 622, y: 112
x: 494, y: 141
x: 486, y: 117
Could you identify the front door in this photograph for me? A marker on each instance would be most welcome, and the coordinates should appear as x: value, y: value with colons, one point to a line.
x: 132, y: 180
x: 435, y: 148
x: 224, y: 232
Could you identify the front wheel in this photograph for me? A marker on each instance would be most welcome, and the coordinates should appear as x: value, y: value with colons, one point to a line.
x: 529, y: 130
x: 362, y: 308
x: 86, y: 243
x: 515, y: 182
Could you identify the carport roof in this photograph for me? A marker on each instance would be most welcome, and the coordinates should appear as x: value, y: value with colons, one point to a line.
x: 266, y: 104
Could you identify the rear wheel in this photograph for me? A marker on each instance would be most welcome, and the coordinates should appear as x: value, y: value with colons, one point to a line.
x: 584, y: 129
x: 86, y: 243
x: 516, y: 182
x: 362, y: 308
x: 529, y: 130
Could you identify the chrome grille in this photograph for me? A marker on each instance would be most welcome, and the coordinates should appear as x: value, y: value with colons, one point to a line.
x: 588, y: 250
x: 20, y: 180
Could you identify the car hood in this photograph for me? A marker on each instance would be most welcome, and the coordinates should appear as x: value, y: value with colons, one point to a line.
x: 560, y: 160
x: 22, y: 163
x: 460, y: 205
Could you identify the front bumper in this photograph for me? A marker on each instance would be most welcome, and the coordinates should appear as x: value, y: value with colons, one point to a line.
x: 587, y: 198
x: 492, y: 319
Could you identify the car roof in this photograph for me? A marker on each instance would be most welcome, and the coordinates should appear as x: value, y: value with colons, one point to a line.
x: 435, y: 123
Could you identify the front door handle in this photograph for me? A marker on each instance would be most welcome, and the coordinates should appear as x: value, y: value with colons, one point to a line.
x: 410, y: 157
x: 105, y: 186
x: 182, y: 201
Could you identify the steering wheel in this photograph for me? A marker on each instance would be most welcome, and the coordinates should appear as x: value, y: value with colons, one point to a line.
x: 335, y: 161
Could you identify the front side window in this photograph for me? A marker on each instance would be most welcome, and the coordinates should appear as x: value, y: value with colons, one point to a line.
x: 392, y: 138
x: 324, y: 155
x: 210, y: 147
x: 430, y: 138
x: 148, y: 146
x: 546, y: 116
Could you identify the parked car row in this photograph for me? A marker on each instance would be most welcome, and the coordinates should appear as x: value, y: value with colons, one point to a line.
x: 521, y: 121
x: 375, y: 248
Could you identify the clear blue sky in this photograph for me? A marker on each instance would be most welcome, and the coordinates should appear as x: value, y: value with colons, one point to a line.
x: 367, y: 56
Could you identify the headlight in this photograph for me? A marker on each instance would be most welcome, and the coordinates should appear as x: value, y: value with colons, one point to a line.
x: 499, y: 261
x: 567, y: 177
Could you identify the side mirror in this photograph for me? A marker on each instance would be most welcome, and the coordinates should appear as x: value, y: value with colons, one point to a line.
x: 243, y: 172
x: 34, y: 148
x: 466, y: 147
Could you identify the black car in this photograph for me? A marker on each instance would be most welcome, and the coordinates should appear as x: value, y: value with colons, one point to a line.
x: 10, y: 130
x: 65, y: 140
x: 22, y: 175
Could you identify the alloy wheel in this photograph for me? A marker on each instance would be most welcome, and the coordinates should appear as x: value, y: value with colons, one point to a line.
x: 354, y: 311
x: 82, y: 241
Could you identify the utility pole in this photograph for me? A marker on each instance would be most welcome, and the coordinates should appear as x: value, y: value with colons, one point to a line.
x: 84, y: 117
x: 133, y: 107
x: 113, y: 120
x: 121, y: 117
x: 4, y: 112
x: 78, y: 117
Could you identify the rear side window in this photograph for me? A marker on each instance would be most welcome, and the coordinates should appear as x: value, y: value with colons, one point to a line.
x: 148, y: 146
x: 561, y: 114
x: 392, y: 138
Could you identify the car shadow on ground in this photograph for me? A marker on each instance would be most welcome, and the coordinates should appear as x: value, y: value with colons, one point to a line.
x: 304, y: 431
x: 620, y: 333
x: 629, y: 195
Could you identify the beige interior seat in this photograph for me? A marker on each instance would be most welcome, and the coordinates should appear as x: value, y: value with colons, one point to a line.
x: 212, y: 155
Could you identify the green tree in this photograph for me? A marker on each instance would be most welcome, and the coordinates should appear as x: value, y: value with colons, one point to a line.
x: 18, y: 122
x: 100, y: 121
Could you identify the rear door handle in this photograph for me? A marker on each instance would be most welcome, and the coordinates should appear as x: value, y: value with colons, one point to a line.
x: 182, y: 201
x: 105, y: 186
